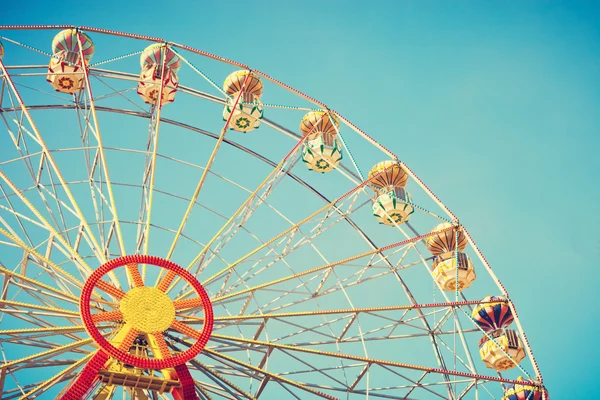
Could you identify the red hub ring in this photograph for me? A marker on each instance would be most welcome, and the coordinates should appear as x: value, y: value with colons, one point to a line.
x: 146, y: 363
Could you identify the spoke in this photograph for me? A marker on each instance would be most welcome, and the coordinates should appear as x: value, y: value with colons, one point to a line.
x: 57, y: 236
x: 323, y: 267
x: 54, y: 267
x: 166, y: 281
x: 350, y: 310
x: 188, y: 303
x: 288, y: 245
x: 216, y: 377
x: 247, y: 203
x: 98, y: 135
x: 154, y: 150
x: 148, y: 166
x: 161, y: 345
x: 371, y: 360
x: 26, y: 157
x: 56, y: 378
x: 23, y: 278
x: 203, y: 392
x: 48, y: 353
x: 17, y: 304
x: 134, y: 276
x: 92, y: 162
x: 186, y: 330
x: 269, y: 374
x: 106, y: 316
x: 48, y: 154
x: 326, y: 207
x: 130, y: 334
x: 59, y: 330
x: 110, y: 289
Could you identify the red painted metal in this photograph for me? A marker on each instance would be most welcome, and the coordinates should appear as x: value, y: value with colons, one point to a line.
x: 124, y: 356
x: 187, y: 391
x: 86, y: 378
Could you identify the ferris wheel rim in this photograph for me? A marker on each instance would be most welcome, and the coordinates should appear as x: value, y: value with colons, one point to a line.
x: 165, y: 362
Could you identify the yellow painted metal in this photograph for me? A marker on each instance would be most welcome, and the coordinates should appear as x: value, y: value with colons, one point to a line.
x: 113, y: 366
x: 55, y: 329
x: 264, y: 372
x: 326, y: 266
x: 51, y: 161
x: 55, y: 378
x: 147, y: 309
x: 35, y: 282
x: 329, y: 353
x: 39, y: 256
x: 134, y: 381
x: 269, y: 242
x: 170, y: 275
x: 102, y: 156
x: 229, y: 383
x: 299, y: 274
x: 160, y: 350
x: 226, y: 224
x: 56, y: 350
x: 51, y: 265
x: 153, y: 170
x: 38, y: 307
x: 106, y: 392
x: 139, y: 394
x: 321, y: 312
x: 116, y: 373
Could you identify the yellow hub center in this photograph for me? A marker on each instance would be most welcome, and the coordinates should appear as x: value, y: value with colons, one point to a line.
x: 147, y: 309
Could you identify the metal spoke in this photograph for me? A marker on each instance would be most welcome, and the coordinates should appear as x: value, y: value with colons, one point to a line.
x: 321, y: 268
x: 56, y: 378
x: 110, y: 289
x: 51, y: 160
x: 156, y: 122
x: 48, y: 353
x: 166, y: 281
x: 219, y: 377
x: 370, y: 361
x: 15, y: 275
x: 58, y: 330
x: 106, y: 316
x: 271, y: 375
x: 134, y: 276
x: 326, y: 207
x: 57, y: 311
x: 96, y: 131
x: 85, y: 267
x: 345, y: 311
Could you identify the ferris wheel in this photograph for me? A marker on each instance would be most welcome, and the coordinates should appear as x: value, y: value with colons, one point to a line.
x: 165, y: 236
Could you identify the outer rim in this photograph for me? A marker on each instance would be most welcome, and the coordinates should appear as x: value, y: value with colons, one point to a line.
x: 123, y: 356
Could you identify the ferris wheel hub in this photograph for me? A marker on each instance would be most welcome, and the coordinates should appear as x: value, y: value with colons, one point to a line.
x: 147, y: 309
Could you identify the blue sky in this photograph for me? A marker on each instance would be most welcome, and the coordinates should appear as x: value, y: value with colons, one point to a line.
x: 495, y: 106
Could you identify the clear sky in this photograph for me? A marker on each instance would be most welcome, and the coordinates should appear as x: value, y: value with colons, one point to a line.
x: 494, y: 104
